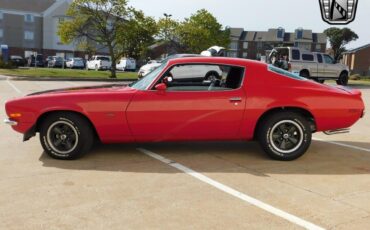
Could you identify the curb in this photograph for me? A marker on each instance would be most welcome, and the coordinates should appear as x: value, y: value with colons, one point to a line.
x: 26, y: 78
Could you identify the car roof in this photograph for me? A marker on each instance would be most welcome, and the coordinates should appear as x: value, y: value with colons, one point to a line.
x: 216, y: 60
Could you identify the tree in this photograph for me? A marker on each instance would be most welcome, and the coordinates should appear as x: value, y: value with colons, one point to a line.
x: 201, y: 31
x: 136, y: 35
x: 108, y: 23
x: 167, y: 29
x: 339, y: 38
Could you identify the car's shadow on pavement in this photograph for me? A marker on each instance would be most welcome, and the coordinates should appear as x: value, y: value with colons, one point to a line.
x: 224, y: 157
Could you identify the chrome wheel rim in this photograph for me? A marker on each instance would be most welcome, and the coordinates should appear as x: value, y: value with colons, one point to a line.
x: 286, y: 136
x: 62, y: 137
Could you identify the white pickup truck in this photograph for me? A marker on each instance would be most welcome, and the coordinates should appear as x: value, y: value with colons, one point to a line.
x: 99, y: 62
x: 313, y: 65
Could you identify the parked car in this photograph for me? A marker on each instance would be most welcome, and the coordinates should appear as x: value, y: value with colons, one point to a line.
x: 37, y: 61
x: 126, y: 64
x: 17, y: 61
x: 75, y: 63
x: 312, y: 65
x: 147, y: 68
x: 56, y: 62
x: 153, y: 64
x: 99, y: 62
x: 46, y: 62
x: 251, y: 101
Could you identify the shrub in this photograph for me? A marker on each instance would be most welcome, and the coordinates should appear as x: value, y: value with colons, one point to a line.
x: 4, y: 65
x: 355, y: 77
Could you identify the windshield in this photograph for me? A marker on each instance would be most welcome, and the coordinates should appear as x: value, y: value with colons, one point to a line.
x: 143, y: 83
x: 285, y: 73
x: 103, y: 58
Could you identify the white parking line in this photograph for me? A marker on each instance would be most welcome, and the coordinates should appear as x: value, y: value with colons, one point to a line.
x: 342, y: 144
x: 13, y: 86
x: 253, y: 201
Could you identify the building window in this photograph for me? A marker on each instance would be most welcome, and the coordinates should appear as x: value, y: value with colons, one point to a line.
x: 303, y: 45
x: 234, y: 45
x: 299, y: 34
x: 245, y: 45
x: 232, y: 54
x: 1, y: 33
x: 318, y: 47
x: 245, y: 55
x: 259, y: 45
x: 60, y: 20
x: 280, y: 33
x: 29, y: 18
x: 28, y: 35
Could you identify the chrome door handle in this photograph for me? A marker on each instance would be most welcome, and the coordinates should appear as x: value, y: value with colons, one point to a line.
x: 235, y: 99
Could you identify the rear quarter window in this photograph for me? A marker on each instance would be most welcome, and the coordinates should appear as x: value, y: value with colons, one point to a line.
x: 296, y: 55
x: 307, y: 57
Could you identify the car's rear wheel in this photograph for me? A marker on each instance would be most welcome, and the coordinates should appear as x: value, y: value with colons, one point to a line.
x: 305, y: 74
x: 284, y: 136
x: 66, y: 136
x: 343, y: 79
x: 211, y: 76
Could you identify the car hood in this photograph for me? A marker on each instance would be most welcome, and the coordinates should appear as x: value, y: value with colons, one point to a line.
x: 87, y: 89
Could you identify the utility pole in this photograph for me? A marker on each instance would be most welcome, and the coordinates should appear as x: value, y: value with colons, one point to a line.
x: 166, y: 33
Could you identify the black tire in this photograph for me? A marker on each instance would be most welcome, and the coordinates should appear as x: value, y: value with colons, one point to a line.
x: 272, y: 135
x: 212, y: 75
x: 305, y: 74
x: 343, y: 79
x: 66, y: 136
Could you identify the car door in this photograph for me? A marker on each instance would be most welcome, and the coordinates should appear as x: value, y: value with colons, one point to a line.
x: 186, y: 115
x: 329, y: 66
x: 320, y: 65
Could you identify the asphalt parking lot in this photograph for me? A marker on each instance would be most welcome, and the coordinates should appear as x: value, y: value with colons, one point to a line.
x: 213, y: 185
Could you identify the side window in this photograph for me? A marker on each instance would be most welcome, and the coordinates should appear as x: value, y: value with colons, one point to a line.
x: 307, y: 57
x: 296, y: 55
x: 203, y: 77
x: 319, y: 58
x: 328, y: 59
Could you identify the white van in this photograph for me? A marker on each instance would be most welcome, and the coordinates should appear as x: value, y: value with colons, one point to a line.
x: 313, y: 65
x: 126, y: 64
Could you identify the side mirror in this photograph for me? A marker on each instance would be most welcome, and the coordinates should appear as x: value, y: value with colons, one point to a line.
x: 161, y: 87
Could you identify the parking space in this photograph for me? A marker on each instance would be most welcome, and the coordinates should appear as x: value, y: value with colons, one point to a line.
x: 214, y: 185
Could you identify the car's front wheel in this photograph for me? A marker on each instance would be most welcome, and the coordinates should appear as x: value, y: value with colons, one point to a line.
x: 66, y: 136
x: 285, y: 136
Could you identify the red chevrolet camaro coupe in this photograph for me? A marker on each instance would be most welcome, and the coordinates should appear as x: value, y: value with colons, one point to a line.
x: 190, y: 99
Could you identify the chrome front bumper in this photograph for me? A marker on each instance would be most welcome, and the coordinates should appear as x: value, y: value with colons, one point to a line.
x: 10, y: 122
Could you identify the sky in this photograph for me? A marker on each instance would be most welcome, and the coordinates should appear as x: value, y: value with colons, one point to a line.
x: 260, y: 14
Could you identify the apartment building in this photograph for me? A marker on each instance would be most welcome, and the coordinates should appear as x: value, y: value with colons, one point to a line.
x: 254, y: 44
x: 358, y: 60
x: 30, y: 26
